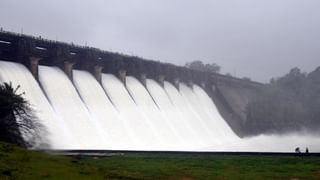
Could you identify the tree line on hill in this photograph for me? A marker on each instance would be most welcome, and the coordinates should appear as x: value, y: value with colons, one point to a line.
x: 288, y: 103
x: 200, y: 66
x: 208, y: 67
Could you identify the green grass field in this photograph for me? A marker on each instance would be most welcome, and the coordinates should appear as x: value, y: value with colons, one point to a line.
x: 18, y: 163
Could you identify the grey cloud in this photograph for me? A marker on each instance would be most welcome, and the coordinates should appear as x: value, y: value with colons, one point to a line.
x: 256, y: 38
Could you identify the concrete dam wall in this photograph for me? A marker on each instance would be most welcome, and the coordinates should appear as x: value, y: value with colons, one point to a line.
x: 94, y: 99
x: 230, y: 94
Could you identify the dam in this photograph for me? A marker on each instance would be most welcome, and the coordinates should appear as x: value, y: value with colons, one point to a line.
x: 93, y: 99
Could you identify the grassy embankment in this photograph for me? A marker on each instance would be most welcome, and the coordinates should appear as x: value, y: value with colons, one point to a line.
x: 18, y: 163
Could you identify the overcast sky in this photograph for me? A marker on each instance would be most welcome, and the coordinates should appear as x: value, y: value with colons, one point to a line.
x: 259, y: 39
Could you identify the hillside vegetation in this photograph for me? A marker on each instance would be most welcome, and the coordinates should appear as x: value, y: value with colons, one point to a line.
x: 288, y: 103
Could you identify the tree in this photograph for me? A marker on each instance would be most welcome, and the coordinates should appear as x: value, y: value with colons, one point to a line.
x: 287, y: 103
x: 212, y: 68
x: 275, y: 110
x: 294, y: 81
x: 195, y: 65
x: 18, y: 124
x: 200, y: 66
x: 246, y: 78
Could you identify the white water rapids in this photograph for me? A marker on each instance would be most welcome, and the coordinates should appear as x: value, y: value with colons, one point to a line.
x: 83, y: 114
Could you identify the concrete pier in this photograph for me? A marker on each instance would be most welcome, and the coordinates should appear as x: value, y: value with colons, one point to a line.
x: 143, y: 79
x: 97, y: 72
x: 68, y: 69
x: 33, y: 66
x: 161, y: 79
x: 122, y: 76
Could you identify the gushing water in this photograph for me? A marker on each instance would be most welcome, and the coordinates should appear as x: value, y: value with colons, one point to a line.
x: 68, y: 105
x: 191, y: 138
x: 102, y: 110
x: 215, y: 119
x: 209, y: 116
x: 190, y: 116
x: 137, y: 124
x: 58, y: 135
x: 157, y: 121
x: 110, y: 115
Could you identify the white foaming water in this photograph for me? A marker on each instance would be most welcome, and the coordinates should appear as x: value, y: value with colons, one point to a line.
x: 230, y: 142
x: 175, y: 121
x: 158, y: 122
x: 195, y: 105
x: 280, y: 143
x: 271, y: 143
x: 203, y: 105
x: 190, y: 116
x: 192, y: 140
x: 102, y: 110
x: 211, y: 110
x: 143, y: 136
x: 68, y: 105
x: 58, y: 135
x: 198, y: 100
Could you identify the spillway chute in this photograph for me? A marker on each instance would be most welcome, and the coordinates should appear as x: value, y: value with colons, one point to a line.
x: 157, y: 120
x: 59, y: 135
x: 215, y: 117
x: 189, y: 137
x: 101, y: 109
x: 207, y: 119
x: 69, y: 106
x: 136, y: 123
